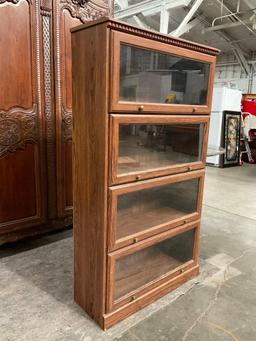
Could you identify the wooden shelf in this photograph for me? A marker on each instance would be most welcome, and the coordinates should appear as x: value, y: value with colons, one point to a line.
x: 142, y: 268
x: 138, y: 158
x: 129, y: 224
x: 144, y: 209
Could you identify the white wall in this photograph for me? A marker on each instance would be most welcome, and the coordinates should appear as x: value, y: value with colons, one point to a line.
x: 233, y: 75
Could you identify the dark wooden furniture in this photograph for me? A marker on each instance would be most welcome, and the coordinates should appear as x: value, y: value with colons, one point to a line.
x: 141, y: 104
x: 36, y: 112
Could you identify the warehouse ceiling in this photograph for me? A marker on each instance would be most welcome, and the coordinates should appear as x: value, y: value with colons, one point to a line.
x: 229, y: 25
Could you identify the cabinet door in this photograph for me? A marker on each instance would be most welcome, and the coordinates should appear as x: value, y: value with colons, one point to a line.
x: 136, y: 270
x: 68, y: 14
x: 22, y: 161
x: 148, y: 146
x: 152, y: 76
x: 143, y: 209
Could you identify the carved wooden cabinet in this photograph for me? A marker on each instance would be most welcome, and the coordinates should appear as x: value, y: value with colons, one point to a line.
x: 141, y: 103
x: 36, y: 112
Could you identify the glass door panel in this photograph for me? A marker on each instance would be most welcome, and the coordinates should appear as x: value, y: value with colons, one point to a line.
x: 150, y: 76
x: 150, y: 146
x: 148, y: 208
x: 156, y: 77
x: 144, y: 147
x: 138, y: 269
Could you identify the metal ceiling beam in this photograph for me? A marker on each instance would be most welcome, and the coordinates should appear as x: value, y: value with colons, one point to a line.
x: 139, y: 22
x: 250, y: 62
x: 122, y: 3
x: 236, y: 17
x: 148, y: 7
x: 151, y: 22
x: 164, y: 20
x: 224, y: 26
x: 227, y: 37
x: 250, y: 5
x: 188, y: 17
x: 241, y: 59
x: 189, y: 26
x: 238, y: 52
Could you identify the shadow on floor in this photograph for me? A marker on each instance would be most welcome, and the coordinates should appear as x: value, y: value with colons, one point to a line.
x: 30, y: 243
x: 46, y: 262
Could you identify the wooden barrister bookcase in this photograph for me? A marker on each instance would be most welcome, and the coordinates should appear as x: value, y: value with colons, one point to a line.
x: 141, y: 106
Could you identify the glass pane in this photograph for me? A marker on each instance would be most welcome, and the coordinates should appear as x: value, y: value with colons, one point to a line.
x: 151, y: 76
x: 148, y: 208
x: 142, y: 267
x: 151, y: 146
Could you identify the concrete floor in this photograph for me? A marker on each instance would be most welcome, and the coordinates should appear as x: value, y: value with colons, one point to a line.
x: 36, y: 294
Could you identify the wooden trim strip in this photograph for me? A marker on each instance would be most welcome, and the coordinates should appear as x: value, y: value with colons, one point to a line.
x: 127, y: 310
x: 153, y: 240
x: 133, y: 187
x: 153, y: 231
x: 163, y: 119
x: 167, y: 39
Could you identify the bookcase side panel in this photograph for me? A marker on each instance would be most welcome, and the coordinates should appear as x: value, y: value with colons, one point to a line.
x: 90, y: 166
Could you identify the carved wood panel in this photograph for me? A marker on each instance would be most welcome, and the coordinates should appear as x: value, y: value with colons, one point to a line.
x: 46, y: 14
x: 36, y: 110
x: 21, y: 163
x: 20, y: 80
x: 17, y: 128
x: 68, y: 14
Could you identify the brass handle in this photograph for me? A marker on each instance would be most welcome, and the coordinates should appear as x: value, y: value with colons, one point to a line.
x: 133, y: 298
x: 141, y: 107
x: 182, y: 270
x: 138, y: 177
x: 135, y: 240
x: 185, y: 222
x: 190, y: 168
x: 194, y: 109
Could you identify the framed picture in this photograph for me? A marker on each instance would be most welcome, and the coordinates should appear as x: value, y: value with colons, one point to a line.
x: 231, y: 138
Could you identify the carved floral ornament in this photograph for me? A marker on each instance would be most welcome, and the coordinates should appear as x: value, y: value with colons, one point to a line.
x: 17, y: 128
x: 12, y: 1
x: 80, y: 2
x: 87, y: 10
x: 66, y: 125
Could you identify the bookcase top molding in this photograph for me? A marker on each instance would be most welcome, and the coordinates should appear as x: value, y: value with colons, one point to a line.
x: 145, y: 33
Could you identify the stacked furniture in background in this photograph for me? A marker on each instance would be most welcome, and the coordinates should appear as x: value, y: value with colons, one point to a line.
x: 140, y: 141
x: 249, y: 118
